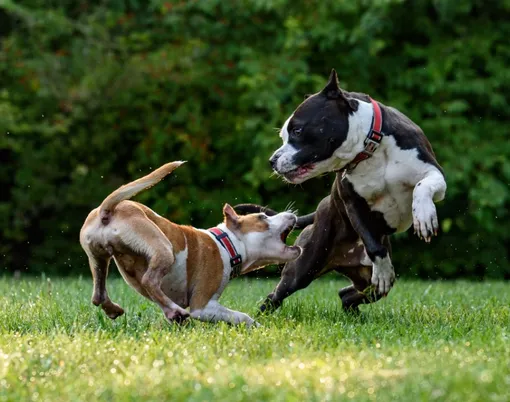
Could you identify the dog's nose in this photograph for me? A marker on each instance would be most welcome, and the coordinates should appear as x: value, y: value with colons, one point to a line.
x: 273, y: 160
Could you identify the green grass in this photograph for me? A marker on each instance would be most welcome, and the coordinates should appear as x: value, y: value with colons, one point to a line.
x: 426, y: 341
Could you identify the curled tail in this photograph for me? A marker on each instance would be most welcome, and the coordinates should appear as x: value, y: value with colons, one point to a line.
x: 131, y: 189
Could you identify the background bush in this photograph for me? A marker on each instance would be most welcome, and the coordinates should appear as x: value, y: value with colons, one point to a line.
x: 95, y: 93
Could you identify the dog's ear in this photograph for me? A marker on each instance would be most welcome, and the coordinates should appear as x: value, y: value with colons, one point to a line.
x: 307, y: 96
x: 334, y: 92
x: 231, y: 218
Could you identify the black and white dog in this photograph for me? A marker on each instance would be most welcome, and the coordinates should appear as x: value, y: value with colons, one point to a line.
x: 387, y: 179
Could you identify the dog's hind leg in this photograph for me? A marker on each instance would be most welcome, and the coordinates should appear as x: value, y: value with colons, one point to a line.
x: 99, y: 268
x: 361, y: 290
x: 317, y: 241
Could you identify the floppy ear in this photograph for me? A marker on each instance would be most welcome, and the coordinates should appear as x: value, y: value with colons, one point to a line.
x: 333, y: 91
x: 231, y: 218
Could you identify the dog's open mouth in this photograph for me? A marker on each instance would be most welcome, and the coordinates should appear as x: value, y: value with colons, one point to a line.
x: 285, y: 234
x: 293, y: 250
x: 299, y: 171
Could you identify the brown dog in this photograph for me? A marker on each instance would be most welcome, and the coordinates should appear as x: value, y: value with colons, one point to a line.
x: 179, y: 266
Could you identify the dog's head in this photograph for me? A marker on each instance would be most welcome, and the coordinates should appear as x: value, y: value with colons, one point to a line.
x: 263, y: 236
x: 315, y: 136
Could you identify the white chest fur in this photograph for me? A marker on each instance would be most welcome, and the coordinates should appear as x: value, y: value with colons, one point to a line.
x: 387, y: 180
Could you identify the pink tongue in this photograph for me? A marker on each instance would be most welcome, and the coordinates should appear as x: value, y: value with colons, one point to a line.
x: 302, y: 170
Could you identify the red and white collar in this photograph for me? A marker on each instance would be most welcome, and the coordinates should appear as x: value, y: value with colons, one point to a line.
x: 372, y: 140
x: 236, y: 261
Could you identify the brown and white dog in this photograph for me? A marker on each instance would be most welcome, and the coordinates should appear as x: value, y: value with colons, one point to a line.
x: 179, y: 266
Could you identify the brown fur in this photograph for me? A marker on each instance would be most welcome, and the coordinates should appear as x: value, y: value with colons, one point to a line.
x: 205, y: 279
x: 252, y: 223
x: 245, y: 224
x: 169, y: 229
x: 144, y: 271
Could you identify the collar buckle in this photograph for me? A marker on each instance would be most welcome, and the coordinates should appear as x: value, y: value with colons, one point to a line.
x: 235, y: 261
x: 370, y: 146
x: 236, y: 264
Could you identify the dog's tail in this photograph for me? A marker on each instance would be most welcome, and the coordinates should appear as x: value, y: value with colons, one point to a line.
x: 302, y: 222
x: 131, y: 189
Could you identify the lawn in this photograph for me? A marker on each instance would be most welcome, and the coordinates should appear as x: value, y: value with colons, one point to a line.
x: 427, y: 341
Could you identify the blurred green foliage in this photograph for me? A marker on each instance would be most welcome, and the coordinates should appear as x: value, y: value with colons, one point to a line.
x: 96, y: 93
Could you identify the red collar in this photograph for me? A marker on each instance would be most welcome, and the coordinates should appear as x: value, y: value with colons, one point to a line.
x: 373, y: 139
x: 236, y: 261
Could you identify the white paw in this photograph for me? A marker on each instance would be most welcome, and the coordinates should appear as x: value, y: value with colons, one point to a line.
x: 250, y: 322
x: 425, y: 219
x: 383, y: 275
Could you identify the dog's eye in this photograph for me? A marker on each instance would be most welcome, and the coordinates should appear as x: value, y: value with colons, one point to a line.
x: 297, y: 131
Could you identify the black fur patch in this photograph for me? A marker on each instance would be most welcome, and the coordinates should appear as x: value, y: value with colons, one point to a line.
x: 318, y: 127
x: 408, y: 135
x: 370, y: 225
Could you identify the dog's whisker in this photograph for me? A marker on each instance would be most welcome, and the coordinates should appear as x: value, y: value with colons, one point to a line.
x: 292, y: 211
x: 289, y: 206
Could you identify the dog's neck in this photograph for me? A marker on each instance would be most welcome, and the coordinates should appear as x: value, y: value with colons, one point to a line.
x: 238, y: 244
x: 359, y: 126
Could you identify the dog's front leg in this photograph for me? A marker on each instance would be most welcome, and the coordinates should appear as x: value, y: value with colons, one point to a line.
x: 160, y: 255
x: 317, y: 241
x: 159, y: 266
x: 383, y: 274
x: 427, y: 191
x: 371, y: 228
x: 214, y: 312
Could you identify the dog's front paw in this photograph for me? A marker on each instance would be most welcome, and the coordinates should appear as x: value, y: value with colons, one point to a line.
x: 112, y: 310
x: 425, y: 219
x: 253, y: 324
x: 178, y: 316
x: 269, y: 305
x: 248, y: 321
x: 383, y: 275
